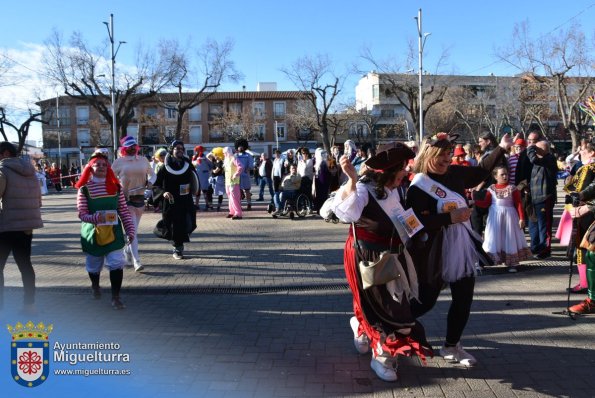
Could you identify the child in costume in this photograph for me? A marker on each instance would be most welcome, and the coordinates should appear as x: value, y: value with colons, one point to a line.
x: 218, y: 175
x: 102, y: 209
x: 504, y: 240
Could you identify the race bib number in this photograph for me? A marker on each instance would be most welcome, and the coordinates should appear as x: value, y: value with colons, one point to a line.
x: 449, y: 206
x: 410, y: 222
x: 111, y: 217
x: 184, y: 189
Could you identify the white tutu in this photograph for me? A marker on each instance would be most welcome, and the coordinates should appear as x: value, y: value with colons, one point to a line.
x: 504, y: 241
x: 459, y: 253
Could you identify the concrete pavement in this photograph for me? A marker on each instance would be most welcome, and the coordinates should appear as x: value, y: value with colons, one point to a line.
x: 260, y: 309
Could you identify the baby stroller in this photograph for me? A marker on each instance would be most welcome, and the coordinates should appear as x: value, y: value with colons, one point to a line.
x: 326, y: 212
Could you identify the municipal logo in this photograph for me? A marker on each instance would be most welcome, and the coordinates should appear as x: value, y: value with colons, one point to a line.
x: 30, y: 353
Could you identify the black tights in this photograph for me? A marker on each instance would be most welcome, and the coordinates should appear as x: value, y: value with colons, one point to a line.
x: 460, y: 306
x: 115, y: 276
x: 19, y: 243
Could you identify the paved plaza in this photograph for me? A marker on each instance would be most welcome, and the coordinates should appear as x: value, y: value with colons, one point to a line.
x: 260, y: 308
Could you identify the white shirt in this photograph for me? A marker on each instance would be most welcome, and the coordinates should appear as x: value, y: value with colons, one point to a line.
x: 306, y: 168
x: 277, y: 167
x: 350, y: 209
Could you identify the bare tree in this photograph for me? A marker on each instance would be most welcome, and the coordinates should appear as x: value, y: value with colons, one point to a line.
x: 404, y: 88
x: 6, y: 65
x: 314, y: 75
x: 236, y: 125
x: 303, y: 119
x: 564, y: 59
x: 99, y: 136
x: 535, y: 99
x: 21, y: 131
x: 204, y: 71
x: 82, y: 73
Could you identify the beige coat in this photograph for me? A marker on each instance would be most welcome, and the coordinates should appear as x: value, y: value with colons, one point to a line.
x: 20, y: 196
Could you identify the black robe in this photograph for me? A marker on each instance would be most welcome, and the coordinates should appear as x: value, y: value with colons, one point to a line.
x: 179, y: 217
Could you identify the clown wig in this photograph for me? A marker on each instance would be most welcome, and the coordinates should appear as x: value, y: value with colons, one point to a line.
x: 111, y: 181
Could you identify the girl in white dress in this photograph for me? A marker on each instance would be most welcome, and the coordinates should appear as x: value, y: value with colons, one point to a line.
x: 504, y: 240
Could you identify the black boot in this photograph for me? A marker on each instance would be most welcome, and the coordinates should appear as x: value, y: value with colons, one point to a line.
x: 94, y: 276
x: 115, y: 278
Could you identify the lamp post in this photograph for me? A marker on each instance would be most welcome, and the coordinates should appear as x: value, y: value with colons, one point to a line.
x: 277, y: 134
x: 59, y: 132
x: 421, y: 41
x: 110, y: 32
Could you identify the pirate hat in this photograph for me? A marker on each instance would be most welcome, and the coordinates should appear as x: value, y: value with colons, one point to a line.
x: 390, y: 156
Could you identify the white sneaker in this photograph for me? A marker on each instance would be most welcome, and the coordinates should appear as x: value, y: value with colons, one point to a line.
x: 458, y: 354
x: 178, y: 255
x: 383, y: 372
x: 361, y: 343
x: 138, y: 267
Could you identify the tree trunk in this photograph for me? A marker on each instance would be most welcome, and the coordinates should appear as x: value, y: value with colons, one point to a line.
x: 574, y: 137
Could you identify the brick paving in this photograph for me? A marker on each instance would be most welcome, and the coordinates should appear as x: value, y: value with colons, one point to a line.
x: 260, y: 309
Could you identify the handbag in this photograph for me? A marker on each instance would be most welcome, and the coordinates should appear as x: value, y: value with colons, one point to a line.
x: 104, y: 234
x: 373, y: 273
x: 161, y: 231
x: 380, y: 272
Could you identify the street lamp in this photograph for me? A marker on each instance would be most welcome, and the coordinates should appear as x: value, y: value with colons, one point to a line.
x: 59, y: 132
x: 110, y: 32
x: 420, y: 43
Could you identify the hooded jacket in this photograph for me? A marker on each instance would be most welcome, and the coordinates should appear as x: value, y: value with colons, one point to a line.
x: 20, y: 196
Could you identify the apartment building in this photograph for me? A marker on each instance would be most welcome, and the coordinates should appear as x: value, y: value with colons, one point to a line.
x: 74, y: 127
x: 478, y: 103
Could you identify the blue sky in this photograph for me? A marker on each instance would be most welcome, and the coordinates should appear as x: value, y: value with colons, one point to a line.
x: 269, y: 35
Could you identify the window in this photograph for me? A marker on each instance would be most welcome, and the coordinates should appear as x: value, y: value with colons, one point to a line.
x: 281, y: 132
x: 133, y: 132
x: 195, y: 114
x: 169, y: 133
x: 279, y: 110
x: 82, y: 115
x: 215, y: 111
x: 151, y: 136
x: 64, y: 112
x: 304, y: 134
x: 258, y: 110
x: 375, y: 92
x: 358, y: 130
x: 196, y: 134
x: 259, y: 132
x: 387, y: 113
x: 235, y: 108
x: 171, y: 112
x: 105, y: 138
x: 83, y: 137
x: 151, y: 112
x: 215, y: 134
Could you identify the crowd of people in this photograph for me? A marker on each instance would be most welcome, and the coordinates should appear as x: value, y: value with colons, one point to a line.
x: 58, y: 177
x: 436, y: 219
x: 422, y: 218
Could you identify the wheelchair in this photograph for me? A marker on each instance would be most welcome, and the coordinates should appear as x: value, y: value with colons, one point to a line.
x: 299, y: 204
